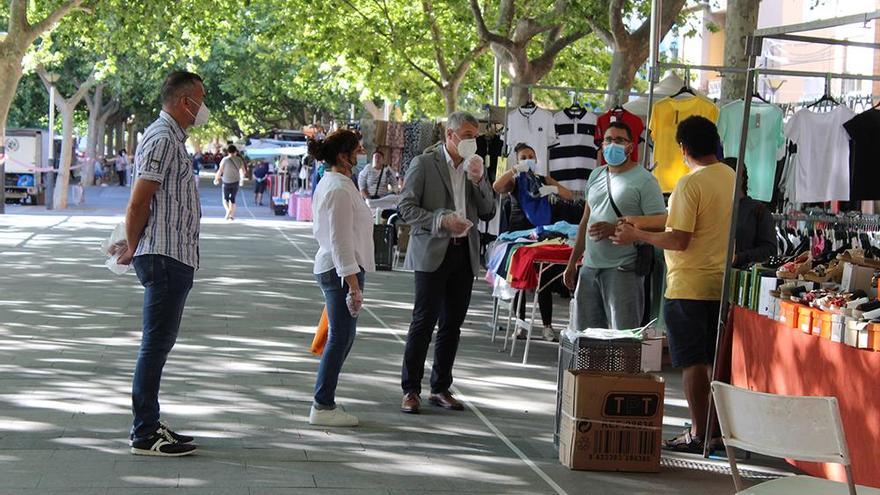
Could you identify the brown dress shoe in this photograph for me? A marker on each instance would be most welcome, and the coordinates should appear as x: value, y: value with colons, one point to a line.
x: 446, y: 401
x: 411, y: 403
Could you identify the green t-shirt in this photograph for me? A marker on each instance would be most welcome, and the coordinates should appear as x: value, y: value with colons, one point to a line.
x: 762, y: 147
x: 636, y: 193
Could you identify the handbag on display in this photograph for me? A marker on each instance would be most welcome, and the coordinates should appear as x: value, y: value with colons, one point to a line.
x: 644, y: 252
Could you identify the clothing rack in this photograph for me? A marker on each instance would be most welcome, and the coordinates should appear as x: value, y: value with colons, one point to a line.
x: 754, y: 48
x: 855, y: 220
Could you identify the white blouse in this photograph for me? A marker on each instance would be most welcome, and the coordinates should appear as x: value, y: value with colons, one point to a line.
x: 343, y: 227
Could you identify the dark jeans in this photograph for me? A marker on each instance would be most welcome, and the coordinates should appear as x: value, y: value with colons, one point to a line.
x: 545, y: 297
x: 442, y: 295
x: 166, y: 284
x: 340, y: 336
x: 121, y: 176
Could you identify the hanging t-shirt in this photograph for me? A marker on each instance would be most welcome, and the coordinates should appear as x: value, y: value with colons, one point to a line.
x: 574, y: 157
x: 535, y: 127
x: 667, y: 113
x: 635, y: 123
x: 529, y: 200
x: 763, y: 146
x: 820, y: 168
x: 864, y: 129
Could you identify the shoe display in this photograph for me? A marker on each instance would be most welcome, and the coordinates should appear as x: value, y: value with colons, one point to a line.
x: 331, y: 417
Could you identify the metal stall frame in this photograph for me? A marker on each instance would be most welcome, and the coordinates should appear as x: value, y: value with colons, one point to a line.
x: 754, y: 45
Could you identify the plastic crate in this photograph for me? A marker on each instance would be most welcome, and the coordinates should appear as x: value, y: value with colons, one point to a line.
x: 619, y: 355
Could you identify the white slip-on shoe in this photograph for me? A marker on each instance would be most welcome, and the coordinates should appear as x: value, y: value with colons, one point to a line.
x: 331, y: 417
x: 550, y: 335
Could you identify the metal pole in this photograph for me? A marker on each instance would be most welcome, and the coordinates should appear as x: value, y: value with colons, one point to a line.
x: 50, y: 175
x: 653, y: 76
x: 754, y: 48
x: 496, y: 82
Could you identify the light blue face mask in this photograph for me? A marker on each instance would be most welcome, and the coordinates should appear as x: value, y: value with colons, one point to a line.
x: 362, y: 159
x: 615, y: 154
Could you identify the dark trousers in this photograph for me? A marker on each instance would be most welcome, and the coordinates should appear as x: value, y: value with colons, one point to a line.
x: 166, y: 283
x: 442, y: 296
x: 121, y: 176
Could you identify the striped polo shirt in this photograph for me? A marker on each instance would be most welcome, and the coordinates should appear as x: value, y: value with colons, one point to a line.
x: 173, y: 226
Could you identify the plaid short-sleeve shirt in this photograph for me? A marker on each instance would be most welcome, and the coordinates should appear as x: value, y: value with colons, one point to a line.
x: 173, y: 226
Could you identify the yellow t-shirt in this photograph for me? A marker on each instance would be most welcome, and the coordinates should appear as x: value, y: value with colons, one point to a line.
x: 702, y: 204
x: 667, y: 113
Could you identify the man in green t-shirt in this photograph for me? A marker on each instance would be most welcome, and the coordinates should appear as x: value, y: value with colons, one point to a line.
x: 610, y: 294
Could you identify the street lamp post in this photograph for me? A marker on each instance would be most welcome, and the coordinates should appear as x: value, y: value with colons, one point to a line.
x: 50, y: 176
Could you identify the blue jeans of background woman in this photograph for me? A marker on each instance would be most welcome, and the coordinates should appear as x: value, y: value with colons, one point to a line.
x: 339, y: 339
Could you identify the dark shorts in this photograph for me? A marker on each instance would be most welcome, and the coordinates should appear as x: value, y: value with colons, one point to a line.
x: 691, y: 329
x: 260, y: 186
x: 230, y: 191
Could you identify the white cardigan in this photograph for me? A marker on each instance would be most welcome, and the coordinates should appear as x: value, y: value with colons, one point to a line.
x: 343, y: 227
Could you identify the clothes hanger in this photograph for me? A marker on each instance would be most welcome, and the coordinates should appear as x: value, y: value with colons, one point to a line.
x: 759, y: 97
x: 684, y: 89
x: 825, y: 98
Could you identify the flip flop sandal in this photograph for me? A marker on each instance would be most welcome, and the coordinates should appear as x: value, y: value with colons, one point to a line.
x: 684, y: 443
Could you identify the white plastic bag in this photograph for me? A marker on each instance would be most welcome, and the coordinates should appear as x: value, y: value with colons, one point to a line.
x: 117, y: 237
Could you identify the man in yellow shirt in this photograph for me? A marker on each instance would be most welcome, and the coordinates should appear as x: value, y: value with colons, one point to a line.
x: 695, y: 244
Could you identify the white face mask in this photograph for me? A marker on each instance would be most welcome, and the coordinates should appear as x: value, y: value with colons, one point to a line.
x: 200, y: 118
x: 530, y: 163
x: 467, y: 148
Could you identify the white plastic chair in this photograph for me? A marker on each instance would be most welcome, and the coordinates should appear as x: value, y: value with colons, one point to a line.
x: 800, y: 428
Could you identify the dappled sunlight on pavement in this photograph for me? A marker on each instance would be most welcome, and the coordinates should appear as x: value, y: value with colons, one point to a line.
x: 240, y: 378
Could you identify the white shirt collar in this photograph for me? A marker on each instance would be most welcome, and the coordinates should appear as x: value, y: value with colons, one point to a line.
x: 449, y: 160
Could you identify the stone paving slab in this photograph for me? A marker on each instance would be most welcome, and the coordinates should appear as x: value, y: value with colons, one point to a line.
x: 241, y: 378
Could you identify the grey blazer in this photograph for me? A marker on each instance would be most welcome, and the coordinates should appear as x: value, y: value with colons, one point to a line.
x: 427, y: 196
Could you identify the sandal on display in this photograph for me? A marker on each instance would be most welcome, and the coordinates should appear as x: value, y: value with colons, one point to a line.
x: 684, y: 443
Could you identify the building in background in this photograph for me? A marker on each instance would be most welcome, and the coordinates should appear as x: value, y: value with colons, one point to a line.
x: 707, y: 48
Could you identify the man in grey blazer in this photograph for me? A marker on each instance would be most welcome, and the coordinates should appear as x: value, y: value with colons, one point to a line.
x: 445, y: 194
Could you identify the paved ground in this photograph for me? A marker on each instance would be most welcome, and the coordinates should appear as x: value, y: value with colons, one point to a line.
x: 241, y: 377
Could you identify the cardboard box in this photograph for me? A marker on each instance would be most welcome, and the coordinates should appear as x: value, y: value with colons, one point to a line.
x: 853, y: 328
x: 838, y: 328
x: 766, y: 300
x: 652, y: 355
x: 857, y: 277
x: 611, y: 421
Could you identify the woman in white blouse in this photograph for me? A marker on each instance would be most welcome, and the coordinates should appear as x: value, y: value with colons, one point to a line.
x: 343, y: 227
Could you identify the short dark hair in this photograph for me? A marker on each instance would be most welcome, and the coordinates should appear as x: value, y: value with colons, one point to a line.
x: 621, y: 125
x: 699, y: 135
x: 522, y: 146
x: 377, y: 152
x: 231, y: 149
x: 176, y: 83
x: 327, y: 150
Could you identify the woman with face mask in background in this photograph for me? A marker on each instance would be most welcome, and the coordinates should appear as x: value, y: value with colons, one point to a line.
x: 343, y: 227
x: 530, y: 208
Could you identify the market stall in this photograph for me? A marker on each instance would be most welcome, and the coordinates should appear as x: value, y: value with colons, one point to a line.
x: 802, y: 325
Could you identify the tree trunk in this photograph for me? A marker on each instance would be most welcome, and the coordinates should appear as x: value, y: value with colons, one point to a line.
x: 450, y: 97
x: 625, y: 64
x: 130, y: 143
x: 66, y: 156
x: 741, y: 21
x: 120, y: 135
x: 10, y: 75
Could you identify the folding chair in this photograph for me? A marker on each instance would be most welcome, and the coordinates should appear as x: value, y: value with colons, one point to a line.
x: 800, y: 428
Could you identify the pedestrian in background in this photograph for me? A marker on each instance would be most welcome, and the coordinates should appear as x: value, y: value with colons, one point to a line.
x: 162, y: 241
x: 121, y: 166
x: 231, y: 172
x: 343, y: 227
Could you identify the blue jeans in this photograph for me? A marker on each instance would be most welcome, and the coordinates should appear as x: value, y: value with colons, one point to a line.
x: 340, y: 338
x: 166, y: 284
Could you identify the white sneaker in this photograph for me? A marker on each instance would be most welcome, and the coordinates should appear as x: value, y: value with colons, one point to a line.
x: 331, y: 417
x: 550, y: 335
